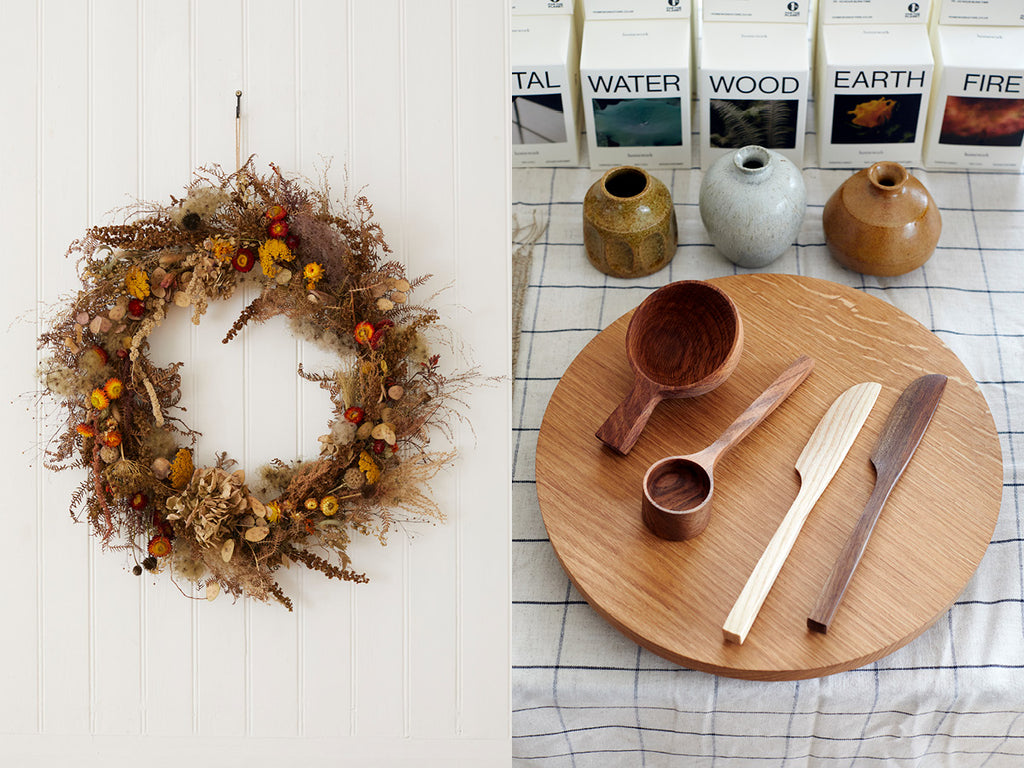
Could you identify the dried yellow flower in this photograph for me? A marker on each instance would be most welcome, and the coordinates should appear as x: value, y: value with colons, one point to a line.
x: 271, y: 252
x: 273, y: 512
x: 369, y: 468
x: 313, y: 272
x: 181, y: 468
x: 222, y: 249
x: 136, y: 282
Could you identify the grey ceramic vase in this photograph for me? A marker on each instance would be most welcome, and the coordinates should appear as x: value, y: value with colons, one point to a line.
x: 752, y: 203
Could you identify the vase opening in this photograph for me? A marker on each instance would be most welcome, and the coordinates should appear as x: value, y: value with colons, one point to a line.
x: 625, y: 182
x: 752, y: 159
x: 888, y: 177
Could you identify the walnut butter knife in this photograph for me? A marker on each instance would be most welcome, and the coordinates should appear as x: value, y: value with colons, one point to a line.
x: 901, y: 433
x: 817, y: 464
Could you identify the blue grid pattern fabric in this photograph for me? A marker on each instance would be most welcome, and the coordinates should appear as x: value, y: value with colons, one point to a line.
x: 586, y: 696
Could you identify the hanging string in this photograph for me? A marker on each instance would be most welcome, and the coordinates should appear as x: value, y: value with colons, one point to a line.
x: 238, y: 130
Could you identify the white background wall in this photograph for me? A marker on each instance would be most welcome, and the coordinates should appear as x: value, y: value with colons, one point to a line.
x: 105, y: 101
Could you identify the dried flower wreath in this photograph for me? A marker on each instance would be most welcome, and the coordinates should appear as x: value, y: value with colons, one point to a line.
x: 327, y: 273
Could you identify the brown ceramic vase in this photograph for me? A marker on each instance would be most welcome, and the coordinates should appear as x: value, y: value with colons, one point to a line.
x: 882, y: 221
x: 629, y: 224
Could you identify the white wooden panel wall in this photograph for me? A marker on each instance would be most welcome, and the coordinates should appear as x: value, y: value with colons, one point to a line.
x: 111, y: 100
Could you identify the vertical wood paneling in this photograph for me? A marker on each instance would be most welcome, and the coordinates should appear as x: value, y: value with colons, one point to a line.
x: 170, y: 674
x: 401, y: 98
x: 22, y: 473
x: 217, y: 370
x: 325, y: 671
x: 113, y: 154
x: 428, y: 211
x: 66, y: 643
x: 374, y: 101
x: 273, y: 391
x: 484, y: 476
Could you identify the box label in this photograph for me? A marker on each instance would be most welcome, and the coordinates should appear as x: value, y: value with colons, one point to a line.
x: 636, y: 9
x: 637, y: 118
x: 873, y: 11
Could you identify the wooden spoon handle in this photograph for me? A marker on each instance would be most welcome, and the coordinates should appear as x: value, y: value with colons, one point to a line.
x: 622, y: 428
x: 759, y: 410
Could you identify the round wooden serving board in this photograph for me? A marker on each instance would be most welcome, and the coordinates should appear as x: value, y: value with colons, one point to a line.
x: 672, y: 597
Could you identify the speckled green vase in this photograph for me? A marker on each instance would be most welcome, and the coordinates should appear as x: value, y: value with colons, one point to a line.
x: 629, y: 224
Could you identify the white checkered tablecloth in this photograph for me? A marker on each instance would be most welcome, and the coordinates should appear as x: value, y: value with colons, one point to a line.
x: 585, y: 695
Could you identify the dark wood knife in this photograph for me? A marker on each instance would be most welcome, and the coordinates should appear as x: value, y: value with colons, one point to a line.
x: 901, y: 434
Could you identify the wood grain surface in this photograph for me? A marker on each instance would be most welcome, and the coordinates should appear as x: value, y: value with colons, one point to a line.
x: 672, y: 597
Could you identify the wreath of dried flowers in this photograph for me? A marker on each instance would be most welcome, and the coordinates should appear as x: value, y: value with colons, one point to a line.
x: 329, y: 274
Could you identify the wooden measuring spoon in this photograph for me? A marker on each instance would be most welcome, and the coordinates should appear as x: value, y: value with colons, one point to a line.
x: 677, y: 496
x: 682, y: 341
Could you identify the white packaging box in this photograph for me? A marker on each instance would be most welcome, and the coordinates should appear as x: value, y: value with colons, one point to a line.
x: 752, y: 84
x: 995, y: 13
x: 872, y: 96
x: 542, y: 7
x: 544, y: 59
x: 636, y: 9
x: 976, y: 119
x: 874, y: 11
x: 635, y: 86
x: 794, y: 11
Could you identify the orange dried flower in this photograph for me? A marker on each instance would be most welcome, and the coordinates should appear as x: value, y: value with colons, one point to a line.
x: 112, y: 438
x: 98, y: 399
x: 113, y: 388
x: 363, y: 332
x: 159, y: 546
x: 276, y: 212
x: 354, y: 414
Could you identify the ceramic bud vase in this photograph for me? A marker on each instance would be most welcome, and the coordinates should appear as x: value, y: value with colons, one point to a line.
x: 882, y: 221
x: 752, y: 203
x: 629, y: 224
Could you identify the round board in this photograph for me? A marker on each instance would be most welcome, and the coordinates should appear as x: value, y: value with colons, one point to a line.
x: 673, y: 597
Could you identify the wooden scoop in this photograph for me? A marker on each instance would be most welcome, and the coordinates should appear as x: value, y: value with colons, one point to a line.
x: 682, y: 341
x: 677, y: 490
